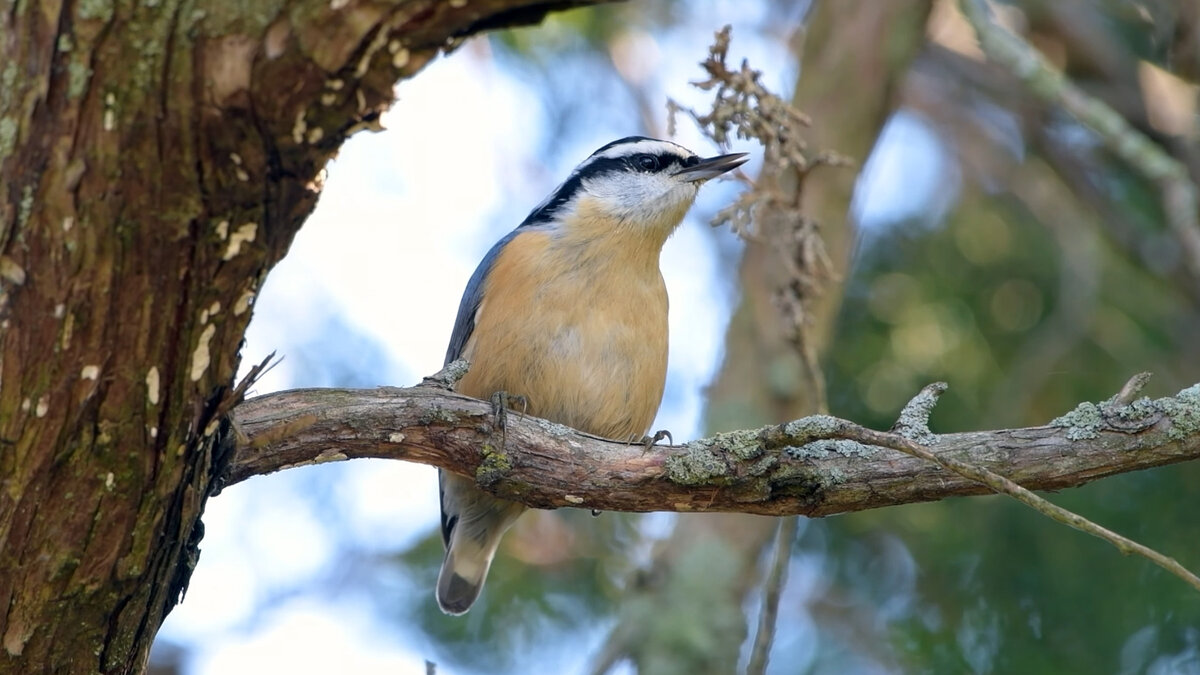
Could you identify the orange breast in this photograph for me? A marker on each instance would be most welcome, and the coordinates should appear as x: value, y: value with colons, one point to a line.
x: 583, y: 339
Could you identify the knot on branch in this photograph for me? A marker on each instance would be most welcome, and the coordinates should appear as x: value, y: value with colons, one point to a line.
x: 448, y: 376
x: 913, y: 421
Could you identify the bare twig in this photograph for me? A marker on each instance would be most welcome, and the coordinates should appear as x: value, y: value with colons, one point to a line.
x: 772, y: 589
x: 238, y: 393
x: 771, y: 210
x: 921, y: 406
x: 1122, y: 400
x: 1005, y: 486
x: 1145, y: 156
x: 1131, y: 389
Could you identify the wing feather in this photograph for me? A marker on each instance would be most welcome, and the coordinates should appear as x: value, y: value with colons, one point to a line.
x: 468, y: 307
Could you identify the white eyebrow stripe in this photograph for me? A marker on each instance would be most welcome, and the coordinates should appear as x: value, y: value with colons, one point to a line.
x: 648, y: 146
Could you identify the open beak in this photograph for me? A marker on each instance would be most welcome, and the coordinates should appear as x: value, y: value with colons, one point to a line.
x: 713, y: 167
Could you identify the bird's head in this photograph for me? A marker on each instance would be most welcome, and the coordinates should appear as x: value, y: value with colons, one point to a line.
x: 635, y: 185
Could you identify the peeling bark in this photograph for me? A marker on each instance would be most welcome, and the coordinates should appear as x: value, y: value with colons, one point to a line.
x: 155, y: 162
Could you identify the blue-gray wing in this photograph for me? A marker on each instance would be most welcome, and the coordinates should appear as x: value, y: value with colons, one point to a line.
x: 464, y: 325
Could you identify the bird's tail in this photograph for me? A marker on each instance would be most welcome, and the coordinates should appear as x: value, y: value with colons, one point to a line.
x: 463, y: 572
x: 472, y: 526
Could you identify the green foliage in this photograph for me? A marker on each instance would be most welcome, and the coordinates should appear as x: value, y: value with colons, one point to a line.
x: 999, y: 588
x: 974, y: 301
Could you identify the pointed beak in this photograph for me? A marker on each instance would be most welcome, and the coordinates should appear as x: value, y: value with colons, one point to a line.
x: 713, y: 167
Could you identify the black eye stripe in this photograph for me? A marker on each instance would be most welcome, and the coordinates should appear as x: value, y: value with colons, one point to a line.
x: 647, y: 162
x: 596, y: 167
x: 652, y: 162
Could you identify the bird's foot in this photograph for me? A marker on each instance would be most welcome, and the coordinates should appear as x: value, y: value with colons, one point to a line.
x: 502, y: 402
x: 650, y: 441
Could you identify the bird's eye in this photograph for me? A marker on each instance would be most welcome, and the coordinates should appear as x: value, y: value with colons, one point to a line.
x: 691, y: 161
x: 647, y: 162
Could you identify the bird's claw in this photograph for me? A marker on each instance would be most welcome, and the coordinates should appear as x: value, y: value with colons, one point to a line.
x: 650, y: 441
x: 502, y: 402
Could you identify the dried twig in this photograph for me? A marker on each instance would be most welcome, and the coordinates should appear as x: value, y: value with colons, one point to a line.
x: 770, y: 211
x: 1005, y: 486
x: 772, y: 589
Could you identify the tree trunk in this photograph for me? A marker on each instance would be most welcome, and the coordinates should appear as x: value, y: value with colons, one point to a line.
x: 156, y: 160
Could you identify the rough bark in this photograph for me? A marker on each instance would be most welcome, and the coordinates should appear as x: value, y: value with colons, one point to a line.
x: 156, y: 160
x: 800, y: 467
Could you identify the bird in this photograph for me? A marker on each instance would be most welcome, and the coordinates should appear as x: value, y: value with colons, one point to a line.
x: 567, y: 313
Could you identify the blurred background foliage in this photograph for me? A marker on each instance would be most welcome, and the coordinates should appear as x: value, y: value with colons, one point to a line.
x: 1041, y: 276
x: 1028, y: 268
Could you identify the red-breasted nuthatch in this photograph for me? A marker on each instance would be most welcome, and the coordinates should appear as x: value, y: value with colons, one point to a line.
x: 569, y: 312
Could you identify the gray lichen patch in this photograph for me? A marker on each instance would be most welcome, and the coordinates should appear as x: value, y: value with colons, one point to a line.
x: 704, y: 459
x: 455, y: 371
x: 8, y: 85
x: 741, y: 444
x: 822, y: 449
x: 1184, y: 410
x: 697, y: 465
x: 1141, y: 409
x: 1082, y: 423
x: 1087, y: 419
x: 813, y: 426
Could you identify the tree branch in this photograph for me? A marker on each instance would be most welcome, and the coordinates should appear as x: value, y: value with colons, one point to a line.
x: 1178, y: 193
x: 1003, y: 485
x: 814, y: 466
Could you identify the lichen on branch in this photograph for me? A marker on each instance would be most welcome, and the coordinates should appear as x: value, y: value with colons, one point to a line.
x: 816, y: 466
